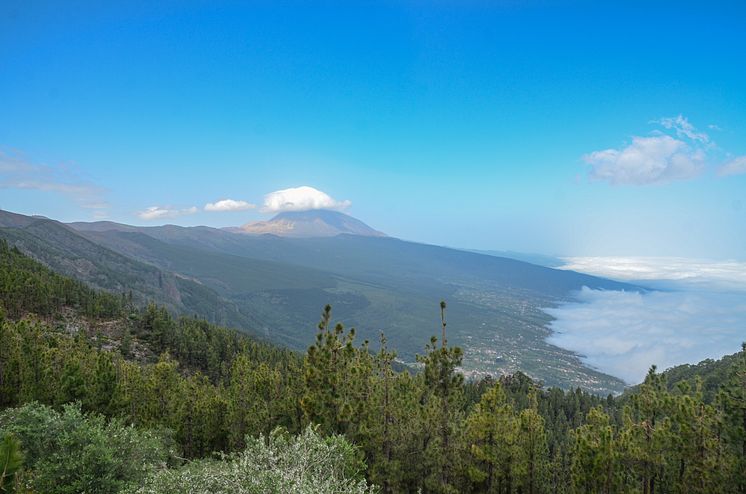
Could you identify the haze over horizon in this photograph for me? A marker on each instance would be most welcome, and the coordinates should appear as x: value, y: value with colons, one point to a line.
x: 527, y: 127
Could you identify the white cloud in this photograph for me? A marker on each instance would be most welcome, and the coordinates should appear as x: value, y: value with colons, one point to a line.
x: 158, y: 212
x: 660, y: 157
x: 228, y: 205
x: 683, y: 128
x: 624, y: 333
x: 701, y: 313
x: 17, y: 172
x: 648, y: 160
x: 300, y: 199
x: 665, y: 271
x: 736, y: 166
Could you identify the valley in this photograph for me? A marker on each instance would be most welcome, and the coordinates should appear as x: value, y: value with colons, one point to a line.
x: 275, y: 287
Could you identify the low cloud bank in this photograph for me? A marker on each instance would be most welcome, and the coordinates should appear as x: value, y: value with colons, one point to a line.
x: 624, y: 333
x: 665, y: 272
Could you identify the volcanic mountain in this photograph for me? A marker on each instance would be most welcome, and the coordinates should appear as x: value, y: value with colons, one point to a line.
x: 313, y: 223
x: 274, y: 286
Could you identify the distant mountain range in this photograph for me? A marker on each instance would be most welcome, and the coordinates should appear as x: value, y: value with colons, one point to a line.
x: 276, y: 286
x: 314, y: 223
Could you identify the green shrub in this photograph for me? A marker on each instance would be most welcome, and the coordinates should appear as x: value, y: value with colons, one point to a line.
x: 69, y: 452
x: 11, y: 460
x: 281, y: 463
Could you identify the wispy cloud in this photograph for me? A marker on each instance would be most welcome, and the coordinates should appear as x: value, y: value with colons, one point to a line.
x: 736, y: 166
x: 10, y: 163
x: 300, y: 199
x: 228, y: 205
x: 18, y: 172
x: 161, y: 212
x: 684, y: 128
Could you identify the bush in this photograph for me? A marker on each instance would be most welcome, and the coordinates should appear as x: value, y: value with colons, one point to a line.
x: 68, y: 452
x: 281, y: 463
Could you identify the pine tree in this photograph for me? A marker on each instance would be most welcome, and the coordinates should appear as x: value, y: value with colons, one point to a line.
x: 492, y: 432
x: 125, y: 347
x: 381, y: 437
x: 12, y: 361
x: 11, y: 460
x: 254, y: 400
x: 646, y: 435
x: 73, y: 385
x: 200, y: 416
x: 443, y: 402
x: 157, y: 405
x: 732, y: 400
x: 595, y: 455
x: 336, y: 378
x: 532, y: 448
x: 695, y: 460
x: 101, y: 384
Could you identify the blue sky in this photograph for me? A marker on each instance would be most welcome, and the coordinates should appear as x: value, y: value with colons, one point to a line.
x: 493, y: 125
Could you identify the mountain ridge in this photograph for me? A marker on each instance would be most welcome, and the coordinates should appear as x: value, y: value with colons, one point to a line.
x: 310, y: 223
x: 64, y: 249
x: 374, y: 284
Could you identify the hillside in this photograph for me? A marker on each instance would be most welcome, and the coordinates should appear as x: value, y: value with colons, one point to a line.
x: 64, y: 250
x: 377, y: 283
x: 273, y: 286
x: 104, y: 397
x: 712, y: 373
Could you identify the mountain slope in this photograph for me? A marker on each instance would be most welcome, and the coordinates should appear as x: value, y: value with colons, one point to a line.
x: 379, y: 283
x: 314, y: 223
x: 67, y: 252
x: 712, y: 373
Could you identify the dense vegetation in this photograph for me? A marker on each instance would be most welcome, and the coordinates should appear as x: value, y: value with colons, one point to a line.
x: 274, y: 287
x: 99, y: 396
x: 69, y: 253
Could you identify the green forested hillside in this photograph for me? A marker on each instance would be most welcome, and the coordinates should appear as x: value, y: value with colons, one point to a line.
x: 271, y: 286
x: 712, y: 373
x: 67, y: 252
x: 74, y: 371
x: 29, y: 287
x: 377, y: 284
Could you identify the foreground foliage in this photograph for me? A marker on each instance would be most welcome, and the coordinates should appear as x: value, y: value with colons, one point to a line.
x: 11, y: 461
x: 67, y: 452
x: 279, y: 463
x: 218, y: 391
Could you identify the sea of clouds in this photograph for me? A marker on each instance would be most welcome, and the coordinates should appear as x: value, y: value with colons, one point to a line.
x: 695, y: 310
